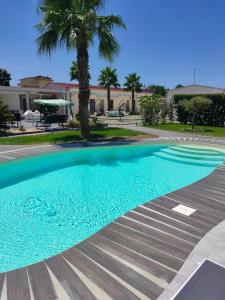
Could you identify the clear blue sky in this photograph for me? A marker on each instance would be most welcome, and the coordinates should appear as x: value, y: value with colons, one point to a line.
x: 164, y: 41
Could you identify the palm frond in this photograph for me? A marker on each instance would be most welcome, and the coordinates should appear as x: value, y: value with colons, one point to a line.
x: 47, y: 42
x: 108, y: 45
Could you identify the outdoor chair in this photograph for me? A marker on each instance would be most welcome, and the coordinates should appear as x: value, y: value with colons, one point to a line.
x: 47, y: 120
x: 17, y: 119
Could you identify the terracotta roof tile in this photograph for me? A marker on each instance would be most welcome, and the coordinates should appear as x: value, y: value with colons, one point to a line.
x: 67, y: 86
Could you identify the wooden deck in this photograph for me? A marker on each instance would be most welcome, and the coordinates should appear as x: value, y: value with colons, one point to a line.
x: 135, y: 257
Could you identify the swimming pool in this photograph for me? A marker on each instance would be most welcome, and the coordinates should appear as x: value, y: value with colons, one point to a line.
x: 51, y: 202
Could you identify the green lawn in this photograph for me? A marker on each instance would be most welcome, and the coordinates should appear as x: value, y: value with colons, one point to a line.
x: 69, y: 136
x: 202, y: 130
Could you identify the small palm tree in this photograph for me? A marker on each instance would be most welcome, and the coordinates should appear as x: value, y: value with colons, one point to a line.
x: 75, y: 24
x: 107, y: 78
x: 133, y: 84
x: 74, y: 71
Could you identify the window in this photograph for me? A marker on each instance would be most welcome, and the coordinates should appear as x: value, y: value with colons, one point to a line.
x: 92, y: 106
x: 23, y: 103
x: 101, y: 105
x: 111, y: 104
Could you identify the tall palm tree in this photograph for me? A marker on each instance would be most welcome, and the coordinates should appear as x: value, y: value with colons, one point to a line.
x: 75, y: 24
x: 107, y: 78
x: 133, y: 84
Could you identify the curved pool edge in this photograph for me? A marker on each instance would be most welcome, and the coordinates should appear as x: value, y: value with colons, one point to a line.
x: 151, y: 242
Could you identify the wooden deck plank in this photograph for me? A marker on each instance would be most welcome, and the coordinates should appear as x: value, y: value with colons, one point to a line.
x: 126, y: 241
x: 41, y: 283
x: 163, y: 227
x: 171, y: 221
x: 17, y: 285
x: 199, y: 205
x: 121, y: 270
x: 216, y: 181
x: 220, y: 201
x: 101, y: 278
x: 212, y: 203
x: 132, y: 257
x: 155, y: 233
x: 2, y: 279
x: 201, y: 216
x: 209, y: 191
x: 73, y: 285
x: 194, y: 222
x: 216, y: 196
x: 209, y: 184
x: 149, y: 241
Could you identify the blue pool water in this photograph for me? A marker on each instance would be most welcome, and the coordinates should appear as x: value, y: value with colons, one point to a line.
x: 51, y: 202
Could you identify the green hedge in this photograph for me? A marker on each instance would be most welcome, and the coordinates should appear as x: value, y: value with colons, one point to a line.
x: 214, y: 116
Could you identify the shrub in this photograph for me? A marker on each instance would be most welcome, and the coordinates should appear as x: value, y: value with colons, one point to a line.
x: 214, y: 115
x: 197, y: 106
x: 74, y: 124
x: 150, y: 108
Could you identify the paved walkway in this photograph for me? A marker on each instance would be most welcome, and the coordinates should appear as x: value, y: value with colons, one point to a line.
x: 135, y: 257
x: 165, y: 133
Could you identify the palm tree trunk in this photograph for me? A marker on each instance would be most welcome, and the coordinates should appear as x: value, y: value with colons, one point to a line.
x: 108, y: 97
x: 84, y: 88
x: 133, y: 102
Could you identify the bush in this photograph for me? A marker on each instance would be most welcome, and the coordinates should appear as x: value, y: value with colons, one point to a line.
x: 5, y: 115
x: 73, y: 124
x: 153, y: 108
x: 150, y: 108
x: 214, y: 115
x: 197, y: 106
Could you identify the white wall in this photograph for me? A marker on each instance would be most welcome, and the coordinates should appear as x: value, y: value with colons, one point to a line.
x: 12, y: 100
x: 118, y: 98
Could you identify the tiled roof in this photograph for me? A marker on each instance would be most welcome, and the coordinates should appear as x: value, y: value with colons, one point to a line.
x: 61, y: 86
x: 67, y: 86
x: 37, y: 77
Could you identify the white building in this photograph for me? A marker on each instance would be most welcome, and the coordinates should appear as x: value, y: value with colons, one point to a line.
x: 194, y: 90
x: 20, y: 98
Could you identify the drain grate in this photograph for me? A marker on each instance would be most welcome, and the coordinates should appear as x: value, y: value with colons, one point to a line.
x: 184, y: 210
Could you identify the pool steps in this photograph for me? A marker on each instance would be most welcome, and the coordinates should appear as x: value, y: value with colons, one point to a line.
x: 202, y: 157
